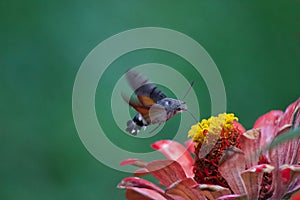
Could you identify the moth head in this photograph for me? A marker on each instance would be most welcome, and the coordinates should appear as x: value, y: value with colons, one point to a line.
x: 173, y: 105
x: 182, y: 106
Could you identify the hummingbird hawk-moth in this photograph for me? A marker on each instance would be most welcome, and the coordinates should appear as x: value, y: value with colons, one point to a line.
x: 152, y: 105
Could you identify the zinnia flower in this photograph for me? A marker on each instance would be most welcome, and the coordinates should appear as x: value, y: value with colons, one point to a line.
x: 229, y: 162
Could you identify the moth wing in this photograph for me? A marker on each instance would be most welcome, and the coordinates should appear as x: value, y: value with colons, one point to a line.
x: 142, y: 86
x: 139, y: 107
x: 157, y: 114
x: 135, y: 79
x: 146, y: 101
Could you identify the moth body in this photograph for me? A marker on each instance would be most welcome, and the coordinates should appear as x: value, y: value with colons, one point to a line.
x: 152, y: 105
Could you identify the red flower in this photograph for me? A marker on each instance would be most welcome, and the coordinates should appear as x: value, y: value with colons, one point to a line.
x: 213, y: 137
x: 175, y: 174
x: 229, y: 162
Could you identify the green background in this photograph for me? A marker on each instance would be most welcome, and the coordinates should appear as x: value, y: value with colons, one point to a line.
x: 255, y: 44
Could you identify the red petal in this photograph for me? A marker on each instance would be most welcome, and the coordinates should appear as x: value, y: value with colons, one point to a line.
x: 252, y: 179
x: 190, y: 145
x: 285, y: 175
x: 288, y: 152
x: 289, y: 173
x: 166, y: 171
x: 175, y: 151
x: 133, y: 161
x: 138, y: 188
x: 140, y: 183
x: 239, y: 127
x: 234, y: 197
x: 288, y: 180
x: 231, y: 166
x: 213, y: 191
x: 289, y: 114
x: 141, y: 172
x: 143, y: 194
x: 267, y: 123
x: 264, y: 168
x: 294, y: 189
x: 249, y: 142
x: 184, y: 188
x: 297, y: 120
x: 296, y: 195
x: 277, y: 122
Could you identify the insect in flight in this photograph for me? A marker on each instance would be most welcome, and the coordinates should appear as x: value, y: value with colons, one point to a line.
x: 152, y: 105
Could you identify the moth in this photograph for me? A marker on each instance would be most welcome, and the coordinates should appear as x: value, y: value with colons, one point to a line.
x: 151, y: 104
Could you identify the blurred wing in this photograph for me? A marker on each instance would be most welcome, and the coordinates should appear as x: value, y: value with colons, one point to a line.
x: 139, y: 107
x: 135, y: 79
x: 142, y: 87
x: 157, y: 114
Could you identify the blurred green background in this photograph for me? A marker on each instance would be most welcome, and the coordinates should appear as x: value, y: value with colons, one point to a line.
x: 255, y: 44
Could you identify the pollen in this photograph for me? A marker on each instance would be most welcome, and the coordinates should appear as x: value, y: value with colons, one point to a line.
x: 213, y: 125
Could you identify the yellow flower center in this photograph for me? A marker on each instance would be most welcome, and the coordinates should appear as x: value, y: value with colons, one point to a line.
x: 214, y: 125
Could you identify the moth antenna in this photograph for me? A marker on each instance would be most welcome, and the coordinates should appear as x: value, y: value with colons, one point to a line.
x: 189, y: 89
x: 192, y: 116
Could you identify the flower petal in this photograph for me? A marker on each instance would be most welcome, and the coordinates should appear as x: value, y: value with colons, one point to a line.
x: 143, y: 194
x: 138, y: 188
x: 289, y: 114
x: 267, y: 123
x: 239, y: 126
x: 190, y: 146
x: 289, y: 173
x: 295, y: 194
x: 290, y: 176
x: 275, y: 123
x: 175, y: 151
x: 140, y: 183
x: 184, y: 188
x: 141, y: 172
x: 138, y: 163
x: 166, y: 171
x: 288, y: 152
x: 133, y: 161
x: 212, y: 191
x: 249, y: 142
x: 234, y: 197
x: 297, y: 121
x: 291, y: 179
x: 253, y: 177
x: 231, y: 166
